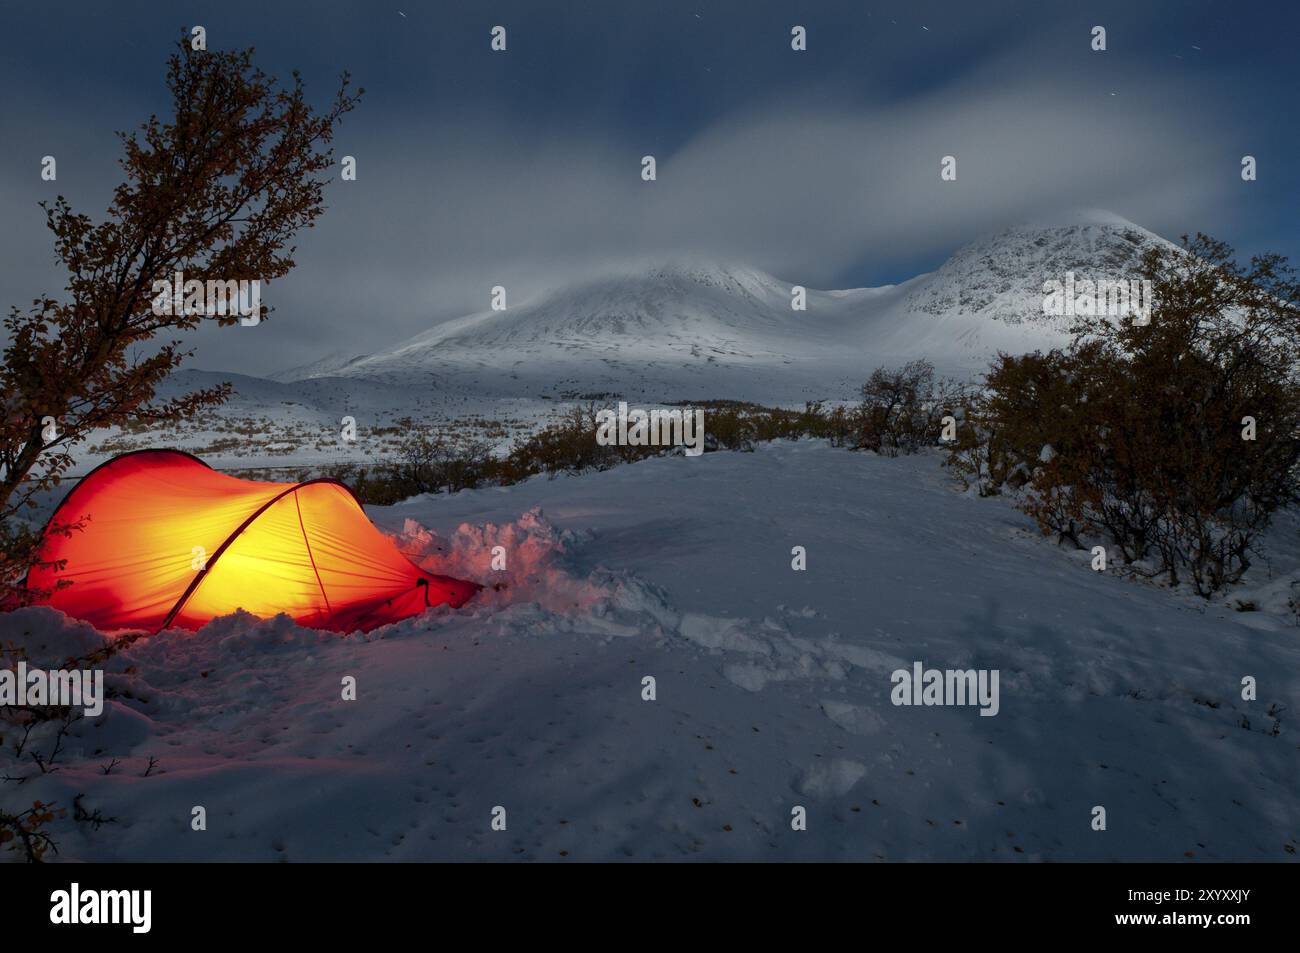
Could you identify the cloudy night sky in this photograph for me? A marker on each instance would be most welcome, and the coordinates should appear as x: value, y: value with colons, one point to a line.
x: 522, y: 169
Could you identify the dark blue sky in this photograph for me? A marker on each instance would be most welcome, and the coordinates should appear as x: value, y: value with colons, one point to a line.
x: 477, y: 168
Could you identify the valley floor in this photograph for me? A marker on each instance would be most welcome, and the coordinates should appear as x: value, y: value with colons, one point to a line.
x: 773, y: 691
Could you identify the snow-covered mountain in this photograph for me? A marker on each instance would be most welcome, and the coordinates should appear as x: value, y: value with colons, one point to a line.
x: 325, y: 366
x: 679, y: 330
x: 999, y: 277
x: 672, y: 331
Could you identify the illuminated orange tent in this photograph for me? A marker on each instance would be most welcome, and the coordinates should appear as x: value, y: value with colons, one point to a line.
x: 168, y: 541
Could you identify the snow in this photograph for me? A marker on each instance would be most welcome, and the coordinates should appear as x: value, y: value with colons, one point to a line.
x: 669, y: 329
x: 772, y: 687
x: 772, y: 690
x: 653, y: 333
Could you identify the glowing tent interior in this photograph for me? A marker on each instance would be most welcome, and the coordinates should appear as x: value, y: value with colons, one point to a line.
x: 168, y: 541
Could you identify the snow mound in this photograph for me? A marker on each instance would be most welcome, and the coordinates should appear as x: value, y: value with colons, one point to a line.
x: 833, y: 778
x: 531, y: 578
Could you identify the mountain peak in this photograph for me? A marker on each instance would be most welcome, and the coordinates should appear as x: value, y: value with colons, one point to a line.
x: 1082, y: 217
x: 675, y: 327
x: 999, y: 277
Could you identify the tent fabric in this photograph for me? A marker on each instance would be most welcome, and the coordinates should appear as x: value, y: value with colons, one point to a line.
x: 168, y: 541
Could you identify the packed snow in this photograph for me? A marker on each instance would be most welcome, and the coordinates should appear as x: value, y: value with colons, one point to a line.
x: 772, y: 690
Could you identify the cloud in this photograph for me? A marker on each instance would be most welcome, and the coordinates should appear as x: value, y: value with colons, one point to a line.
x: 808, y: 194
x: 809, y: 183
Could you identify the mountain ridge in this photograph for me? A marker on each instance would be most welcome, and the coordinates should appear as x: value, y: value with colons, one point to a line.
x: 673, y: 329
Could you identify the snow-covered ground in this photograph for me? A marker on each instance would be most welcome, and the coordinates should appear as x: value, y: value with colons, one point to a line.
x: 773, y: 690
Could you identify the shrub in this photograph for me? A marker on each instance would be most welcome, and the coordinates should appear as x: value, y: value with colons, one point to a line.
x: 1138, y: 430
x: 901, y: 410
x: 427, y: 462
x: 24, y: 832
x: 569, y: 446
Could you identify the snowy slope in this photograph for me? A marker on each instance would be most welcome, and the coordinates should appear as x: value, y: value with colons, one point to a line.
x: 274, y: 424
x: 325, y: 366
x: 989, y: 295
x: 675, y: 330
x: 773, y: 691
x: 668, y: 331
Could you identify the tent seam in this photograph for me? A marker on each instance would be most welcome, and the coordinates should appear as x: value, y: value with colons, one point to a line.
x: 207, y: 567
x: 306, y: 542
